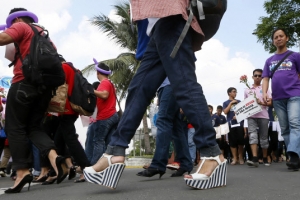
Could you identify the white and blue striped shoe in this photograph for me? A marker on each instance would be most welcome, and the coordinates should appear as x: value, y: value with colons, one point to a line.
x: 216, y: 179
x: 109, y: 177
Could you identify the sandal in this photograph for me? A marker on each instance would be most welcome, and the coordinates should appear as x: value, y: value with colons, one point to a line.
x: 216, y: 179
x: 174, y: 166
x: 241, y: 162
x: 145, y: 166
x: 72, y: 173
x: 41, y: 180
x: 233, y: 162
x: 79, y: 180
x: 61, y: 168
x: 109, y: 177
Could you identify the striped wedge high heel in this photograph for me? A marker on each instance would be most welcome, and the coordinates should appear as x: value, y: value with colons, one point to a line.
x: 109, y: 177
x: 216, y: 179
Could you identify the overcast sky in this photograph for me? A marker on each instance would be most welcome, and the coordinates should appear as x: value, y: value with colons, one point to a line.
x: 233, y: 51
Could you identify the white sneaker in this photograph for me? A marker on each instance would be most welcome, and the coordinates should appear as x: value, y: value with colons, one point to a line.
x: 252, y: 164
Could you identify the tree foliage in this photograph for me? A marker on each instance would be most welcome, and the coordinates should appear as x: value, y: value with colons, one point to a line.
x: 124, y: 67
x: 281, y: 14
x: 124, y: 35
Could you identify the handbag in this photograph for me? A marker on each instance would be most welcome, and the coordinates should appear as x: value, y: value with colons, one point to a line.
x: 58, y: 103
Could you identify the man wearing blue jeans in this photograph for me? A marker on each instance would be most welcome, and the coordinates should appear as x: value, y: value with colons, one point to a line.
x: 169, y: 123
x: 155, y: 67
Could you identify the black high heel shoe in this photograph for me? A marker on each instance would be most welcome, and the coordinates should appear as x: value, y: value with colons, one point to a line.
x: 151, y: 172
x: 61, y: 168
x: 179, y: 172
x: 294, y: 162
x: 72, y: 173
x: 27, y: 179
x: 41, y: 180
x: 49, y: 182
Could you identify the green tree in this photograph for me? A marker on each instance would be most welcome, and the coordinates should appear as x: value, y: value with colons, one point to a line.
x: 281, y: 14
x: 125, y: 65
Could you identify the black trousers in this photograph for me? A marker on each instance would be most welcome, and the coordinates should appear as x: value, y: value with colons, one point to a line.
x: 25, y: 110
x: 273, y: 143
x: 49, y: 124
x: 65, y: 136
x: 2, y: 142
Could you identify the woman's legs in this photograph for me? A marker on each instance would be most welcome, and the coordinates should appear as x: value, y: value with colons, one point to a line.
x: 26, y: 125
x: 156, y: 65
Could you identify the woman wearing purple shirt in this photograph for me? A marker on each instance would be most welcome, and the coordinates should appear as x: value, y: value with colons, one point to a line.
x: 286, y: 94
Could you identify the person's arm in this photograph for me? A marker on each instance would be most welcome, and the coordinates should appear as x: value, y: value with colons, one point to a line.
x: 5, y: 39
x: 265, y: 87
x: 102, y: 94
x: 227, y: 109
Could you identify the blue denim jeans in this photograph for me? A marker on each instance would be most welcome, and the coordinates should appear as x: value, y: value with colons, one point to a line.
x: 192, y: 146
x: 288, y: 112
x: 89, y: 145
x: 36, y: 161
x: 180, y: 139
x: 156, y: 65
x: 102, y: 129
x: 169, y: 123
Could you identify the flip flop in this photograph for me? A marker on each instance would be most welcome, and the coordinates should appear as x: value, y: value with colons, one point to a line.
x: 79, y: 181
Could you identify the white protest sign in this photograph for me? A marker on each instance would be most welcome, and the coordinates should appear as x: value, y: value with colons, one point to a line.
x: 246, y: 108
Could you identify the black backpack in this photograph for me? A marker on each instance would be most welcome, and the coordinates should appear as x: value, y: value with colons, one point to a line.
x: 83, y: 99
x: 209, y: 14
x: 42, y: 66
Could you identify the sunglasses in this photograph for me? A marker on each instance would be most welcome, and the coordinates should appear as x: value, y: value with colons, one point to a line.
x: 256, y: 75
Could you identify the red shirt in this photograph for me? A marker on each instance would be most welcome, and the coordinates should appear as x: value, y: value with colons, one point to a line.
x: 107, y: 107
x: 22, y: 34
x: 70, y: 74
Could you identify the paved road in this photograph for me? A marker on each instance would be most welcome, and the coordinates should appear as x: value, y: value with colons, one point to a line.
x: 274, y: 182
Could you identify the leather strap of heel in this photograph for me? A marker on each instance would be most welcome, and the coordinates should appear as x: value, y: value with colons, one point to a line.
x: 196, y: 175
x: 108, y: 158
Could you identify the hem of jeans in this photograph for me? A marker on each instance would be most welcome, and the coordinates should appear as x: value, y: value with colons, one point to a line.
x: 210, y: 151
x: 159, y: 168
x: 115, y: 150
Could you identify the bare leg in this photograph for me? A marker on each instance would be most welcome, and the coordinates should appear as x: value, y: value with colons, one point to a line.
x: 21, y: 173
x: 241, y: 151
x: 69, y: 162
x: 52, y: 157
x: 44, y: 172
x: 234, y: 154
x: 254, y: 149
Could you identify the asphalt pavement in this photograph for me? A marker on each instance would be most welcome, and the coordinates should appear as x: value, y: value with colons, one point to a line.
x: 274, y: 182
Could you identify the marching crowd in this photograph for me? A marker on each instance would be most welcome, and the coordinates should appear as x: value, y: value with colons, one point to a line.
x: 48, y: 143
